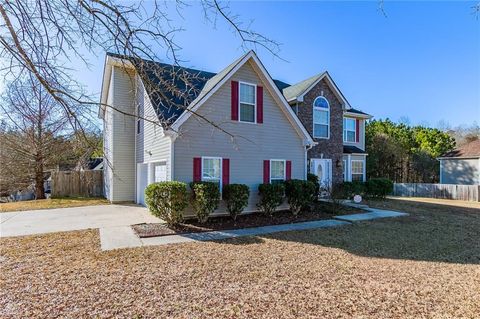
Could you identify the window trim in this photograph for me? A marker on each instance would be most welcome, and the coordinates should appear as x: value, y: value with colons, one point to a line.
x: 363, y: 169
x: 314, y: 108
x: 345, y: 130
x: 284, y: 170
x: 345, y: 173
x: 254, y: 102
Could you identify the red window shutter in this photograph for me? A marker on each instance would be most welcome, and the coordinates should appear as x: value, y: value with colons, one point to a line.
x: 266, y: 171
x: 197, y: 169
x: 259, y: 104
x: 234, y: 101
x: 225, y: 171
x: 288, y: 170
x: 357, y: 128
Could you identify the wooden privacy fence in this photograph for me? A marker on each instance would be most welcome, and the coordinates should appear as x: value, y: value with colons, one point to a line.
x: 446, y: 191
x: 77, y: 183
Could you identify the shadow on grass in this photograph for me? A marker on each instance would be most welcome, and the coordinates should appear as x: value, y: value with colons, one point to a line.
x: 439, y: 233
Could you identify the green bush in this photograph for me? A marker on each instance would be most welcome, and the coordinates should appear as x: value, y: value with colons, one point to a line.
x: 271, y: 196
x: 167, y: 200
x: 314, y: 179
x: 299, y: 194
x: 351, y: 189
x: 206, y: 196
x: 236, y: 198
x: 379, y: 187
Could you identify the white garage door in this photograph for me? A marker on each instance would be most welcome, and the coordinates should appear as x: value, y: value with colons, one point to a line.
x: 148, y: 173
x: 142, y: 182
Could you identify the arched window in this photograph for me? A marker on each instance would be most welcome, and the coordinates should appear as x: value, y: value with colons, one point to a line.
x: 321, y: 118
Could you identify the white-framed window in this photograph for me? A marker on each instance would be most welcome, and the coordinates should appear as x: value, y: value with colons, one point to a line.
x: 358, y: 170
x: 212, y: 170
x: 349, y: 130
x: 277, y: 171
x: 248, y: 102
x: 321, y: 118
x: 345, y: 175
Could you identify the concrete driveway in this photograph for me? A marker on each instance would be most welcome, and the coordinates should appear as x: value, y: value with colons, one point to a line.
x: 72, y: 218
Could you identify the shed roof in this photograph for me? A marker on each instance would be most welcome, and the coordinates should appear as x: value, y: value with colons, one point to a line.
x: 469, y: 150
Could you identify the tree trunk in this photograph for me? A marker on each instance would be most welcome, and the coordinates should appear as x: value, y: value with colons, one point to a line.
x: 39, y: 188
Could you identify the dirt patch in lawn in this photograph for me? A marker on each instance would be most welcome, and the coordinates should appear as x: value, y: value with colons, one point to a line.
x: 52, y: 203
x: 319, y: 212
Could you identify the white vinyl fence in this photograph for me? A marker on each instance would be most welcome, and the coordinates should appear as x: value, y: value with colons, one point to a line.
x: 446, y: 191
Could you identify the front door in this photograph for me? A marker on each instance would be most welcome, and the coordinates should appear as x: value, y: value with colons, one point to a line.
x: 323, y: 169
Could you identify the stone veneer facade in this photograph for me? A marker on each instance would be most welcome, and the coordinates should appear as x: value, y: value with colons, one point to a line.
x: 331, y: 148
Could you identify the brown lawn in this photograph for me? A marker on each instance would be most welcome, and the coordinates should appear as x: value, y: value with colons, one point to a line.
x: 51, y: 203
x: 424, y: 265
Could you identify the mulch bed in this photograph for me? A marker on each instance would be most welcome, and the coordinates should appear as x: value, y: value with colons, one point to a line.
x: 321, y: 211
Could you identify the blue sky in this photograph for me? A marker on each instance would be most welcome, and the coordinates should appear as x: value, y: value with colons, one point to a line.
x: 422, y: 61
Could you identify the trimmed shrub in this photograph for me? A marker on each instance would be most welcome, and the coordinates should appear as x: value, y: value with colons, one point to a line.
x: 314, y: 179
x: 206, y: 196
x: 351, y: 189
x: 236, y: 198
x: 167, y: 200
x: 271, y: 196
x: 379, y: 187
x: 299, y: 194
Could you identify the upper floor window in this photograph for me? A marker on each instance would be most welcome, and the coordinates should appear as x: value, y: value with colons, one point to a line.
x: 349, y: 130
x: 321, y: 118
x: 247, y: 102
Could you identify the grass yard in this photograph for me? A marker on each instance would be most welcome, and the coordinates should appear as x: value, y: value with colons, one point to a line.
x: 424, y: 265
x: 51, y: 203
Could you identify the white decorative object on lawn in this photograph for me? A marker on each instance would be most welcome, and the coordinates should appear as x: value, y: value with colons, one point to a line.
x: 357, y: 198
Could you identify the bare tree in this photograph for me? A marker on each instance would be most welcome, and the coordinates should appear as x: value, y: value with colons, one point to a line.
x: 40, y: 36
x: 35, y: 134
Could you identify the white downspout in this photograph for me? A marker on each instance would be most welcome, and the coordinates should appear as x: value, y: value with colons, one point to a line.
x: 349, y: 174
x: 307, y: 148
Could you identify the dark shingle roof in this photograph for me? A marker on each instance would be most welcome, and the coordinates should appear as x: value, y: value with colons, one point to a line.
x: 471, y: 149
x: 158, y: 79
x: 352, y: 110
x: 94, y: 162
x: 350, y: 149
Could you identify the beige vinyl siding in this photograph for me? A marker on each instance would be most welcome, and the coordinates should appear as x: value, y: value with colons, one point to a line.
x: 361, y: 142
x: 152, y: 144
x: 122, y: 137
x: 460, y: 171
x: 276, y: 138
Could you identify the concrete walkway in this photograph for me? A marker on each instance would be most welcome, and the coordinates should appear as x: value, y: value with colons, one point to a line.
x: 124, y: 237
x: 72, y: 218
x: 114, y: 222
x: 373, y: 214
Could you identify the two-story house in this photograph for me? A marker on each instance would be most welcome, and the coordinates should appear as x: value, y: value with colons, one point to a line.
x: 237, y: 127
x: 337, y: 128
